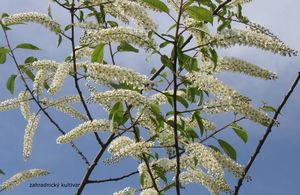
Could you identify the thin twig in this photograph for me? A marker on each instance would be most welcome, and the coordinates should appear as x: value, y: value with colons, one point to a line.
x: 266, y: 134
x: 114, y: 179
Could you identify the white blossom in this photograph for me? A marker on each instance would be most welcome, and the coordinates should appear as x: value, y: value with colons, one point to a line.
x: 108, y: 98
x: 82, y: 129
x: 9, y: 104
x: 136, y: 12
x: 21, y: 177
x: 118, y: 34
x: 30, y: 129
x: 126, y: 191
x: 35, y: 17
x: 149, y: 191
x: 231, y: 37
x: 236, y: 65
x: 59, y: 77
x: 39, y: 79
x: 24, y: 104
x: 107, y: 73
x: 123, y: 146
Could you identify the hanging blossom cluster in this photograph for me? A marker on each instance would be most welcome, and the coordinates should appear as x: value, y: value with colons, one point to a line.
x: 62, y: 104
x: 21, y: 177
x: 106, y: 73
x: 231, y: 37
x: 206, y: 166
x: 84, y: 128
x: 209, y: 83
x: 30, y: 129
x: 231, y: 64
x: 123, y: 147
x: 108, y: 98
x: 35, y: 17
x: 236, y: 106
x: 59, y: 77
x: 118, y: 34
x: 136, y: 12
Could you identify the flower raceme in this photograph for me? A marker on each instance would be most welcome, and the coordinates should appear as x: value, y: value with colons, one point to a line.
x: 21, y: 177
x: 35, y: 17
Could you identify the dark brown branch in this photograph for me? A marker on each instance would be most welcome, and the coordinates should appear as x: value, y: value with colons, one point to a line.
x: 216, y: 11
x: 72, y: 12
x: 114, y: 179
x: 266, y: 134
x: 91, y: 168
x: 176, y: 145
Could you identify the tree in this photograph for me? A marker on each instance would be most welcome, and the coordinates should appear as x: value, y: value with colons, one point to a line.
x: 160, y: 119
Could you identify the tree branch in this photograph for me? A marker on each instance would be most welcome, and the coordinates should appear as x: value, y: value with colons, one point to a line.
x: 114, y: 179
x: 216, y: 11
x: 266, y: 134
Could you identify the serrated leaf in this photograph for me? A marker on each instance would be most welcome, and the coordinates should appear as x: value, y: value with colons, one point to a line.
x: 240, y: 132
x: 10, y: 84
x: 27, y: 46
x: 124, y: 46
x: 158, y: 5
x: 3, y: 52
x: 228, y: 149
x: 182, y: 101
x: 200, y: 13
x: 98, y: 53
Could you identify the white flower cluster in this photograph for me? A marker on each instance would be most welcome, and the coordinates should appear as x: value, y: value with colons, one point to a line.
x: 82, y: 129
x: 149, y: 191
x: 92, y: 2
x: 108, y: 98
x: 83, y: 52
x: 21, y: 177
x: 236, y: 106
x: 123, y: 147
x: 88, y: 25
x: 62, y: 105
x: 237, y: 65
x: 212, y: 176
x: 9, y: 104
x: 211, y: 84
x: 39, y: 79
x: 126, y: 191
x: 137, y: 13
x: 24, y: 104
x: 118, y: 34
x: 59, y: 77
x: 45, y: 64
x: 39, y: 18
x: 231, y: 37
x: 107, y: 73
x: 31, y: 127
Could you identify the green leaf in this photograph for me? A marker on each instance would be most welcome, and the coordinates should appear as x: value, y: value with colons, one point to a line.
x: 228, y: 149
x: 10, y: 84
x: 182, y: 101
x: 98, y: 53
x: 59, y: 40
x: 3, y: 52
x: 215, y: 148
x: 158, y: 5
x: 30, y: 59
x: 167, y: 62
x: 1, y: 172
x: 199, y: 120
x: 27, y: 72
x: 112, y: 23
x: 200, y: 14
x: 27, y: 46
x: 124, y: 46
x: 268, y: 109
x: 240, y: 132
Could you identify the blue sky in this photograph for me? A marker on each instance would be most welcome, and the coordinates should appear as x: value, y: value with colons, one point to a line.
x: 275, y: 171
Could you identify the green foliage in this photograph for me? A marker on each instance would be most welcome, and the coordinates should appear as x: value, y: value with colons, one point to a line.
x: 10, y: 84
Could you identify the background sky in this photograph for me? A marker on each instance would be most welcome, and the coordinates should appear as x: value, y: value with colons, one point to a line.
x: 276, y: 170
